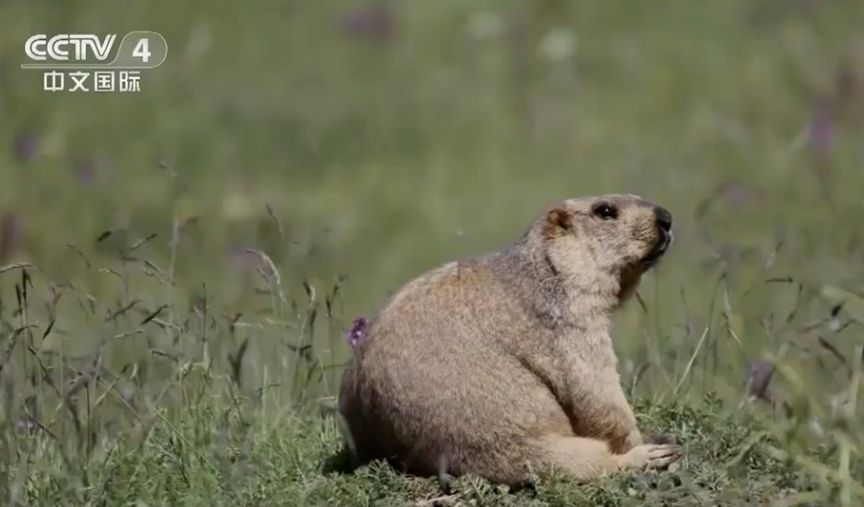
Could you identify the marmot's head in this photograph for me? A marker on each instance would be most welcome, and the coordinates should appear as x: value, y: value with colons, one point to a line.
x: 606, y: 241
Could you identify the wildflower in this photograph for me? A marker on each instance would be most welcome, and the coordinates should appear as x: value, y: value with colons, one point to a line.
x: 358, y: 331
x: 759, y: 377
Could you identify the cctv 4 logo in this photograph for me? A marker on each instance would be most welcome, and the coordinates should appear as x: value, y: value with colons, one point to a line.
x: 40, y: 47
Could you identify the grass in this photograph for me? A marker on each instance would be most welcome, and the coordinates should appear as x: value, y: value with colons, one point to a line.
x: 167, y: 408
x: 178, y: 268
x: 227, y: 456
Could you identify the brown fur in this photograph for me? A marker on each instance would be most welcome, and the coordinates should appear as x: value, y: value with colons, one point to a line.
x: 490, y: 365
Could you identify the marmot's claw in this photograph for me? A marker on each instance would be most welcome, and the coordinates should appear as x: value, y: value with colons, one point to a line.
x: 652, y: 456
x: 661, y: 456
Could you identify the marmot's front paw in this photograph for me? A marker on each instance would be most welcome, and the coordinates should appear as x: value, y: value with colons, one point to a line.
x: 651, y: 456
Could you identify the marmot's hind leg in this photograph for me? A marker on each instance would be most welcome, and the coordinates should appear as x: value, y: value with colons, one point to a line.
x: 587, y: 458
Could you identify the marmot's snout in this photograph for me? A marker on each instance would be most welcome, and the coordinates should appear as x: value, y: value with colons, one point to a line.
x: 663, y: 220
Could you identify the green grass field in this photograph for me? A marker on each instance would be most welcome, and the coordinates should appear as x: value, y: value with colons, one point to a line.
x: 178, y: 267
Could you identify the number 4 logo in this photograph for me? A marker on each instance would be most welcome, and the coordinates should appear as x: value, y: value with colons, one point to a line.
x: 142, y: 50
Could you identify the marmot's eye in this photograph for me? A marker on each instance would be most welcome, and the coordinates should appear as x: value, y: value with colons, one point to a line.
x: 605, y: 211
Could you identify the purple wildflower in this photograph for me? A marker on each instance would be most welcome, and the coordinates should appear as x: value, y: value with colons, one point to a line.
x: 25, y: 146
x: 736, y: 194
x: 242, y: 259
x: 759, y: 376
x: 821, y: 133
x: 28, y: 424
x: 358, y: 331
x: 374, y: 22
x: 85, y: 171
x: 10, y: 235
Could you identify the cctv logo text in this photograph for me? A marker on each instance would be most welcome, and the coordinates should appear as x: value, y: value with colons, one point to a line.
x: 82, y: 47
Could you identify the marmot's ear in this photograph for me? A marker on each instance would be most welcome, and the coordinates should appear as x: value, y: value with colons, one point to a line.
x: 558, y: 221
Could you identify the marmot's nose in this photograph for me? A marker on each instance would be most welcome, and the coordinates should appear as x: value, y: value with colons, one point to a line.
x: 664, y: 218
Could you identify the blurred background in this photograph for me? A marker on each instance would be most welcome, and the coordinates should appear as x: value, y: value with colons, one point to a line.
x: 297, y: 158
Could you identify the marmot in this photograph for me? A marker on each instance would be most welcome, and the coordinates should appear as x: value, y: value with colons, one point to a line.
x: 504, y: 364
